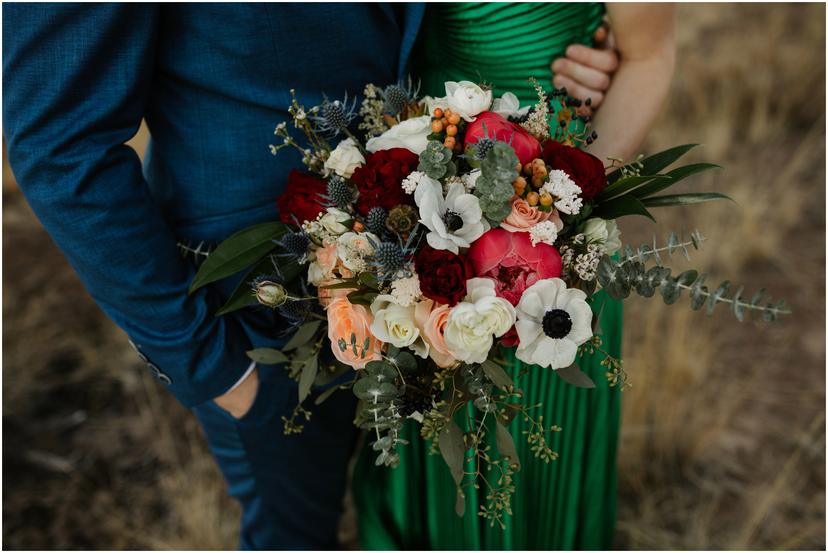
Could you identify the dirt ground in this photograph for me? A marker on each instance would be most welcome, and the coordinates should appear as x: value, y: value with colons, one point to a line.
x: 723, y: 438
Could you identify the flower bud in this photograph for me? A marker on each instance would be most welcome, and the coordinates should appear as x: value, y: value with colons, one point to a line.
x: 270, y: 293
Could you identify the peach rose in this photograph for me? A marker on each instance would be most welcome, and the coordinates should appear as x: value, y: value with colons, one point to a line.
x: 345, y: 320
x: 524, y: 216
x: 431, y: 318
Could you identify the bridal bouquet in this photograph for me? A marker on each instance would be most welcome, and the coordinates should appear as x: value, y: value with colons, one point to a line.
x: 430, y: 233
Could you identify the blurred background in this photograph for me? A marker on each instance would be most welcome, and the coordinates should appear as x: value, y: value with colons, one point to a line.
x: 723, y: 436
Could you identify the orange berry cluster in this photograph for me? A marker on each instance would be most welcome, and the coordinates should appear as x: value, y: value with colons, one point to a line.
x: 530, y: 179
x: 447, y: 124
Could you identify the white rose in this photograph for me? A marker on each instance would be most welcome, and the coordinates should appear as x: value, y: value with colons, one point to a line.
x: 605, y: 233
x: 345, y: 158
x: 333, y: 221
x: 411, y: 134
x: 393, y: 323
x: 467, y: 99
x: 508, y: 105
x: 474, y: 323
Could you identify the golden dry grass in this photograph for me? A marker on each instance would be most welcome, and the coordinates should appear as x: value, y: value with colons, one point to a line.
x: 723, y: 439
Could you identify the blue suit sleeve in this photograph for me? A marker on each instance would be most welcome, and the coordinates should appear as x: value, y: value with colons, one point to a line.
x: 76, y: 82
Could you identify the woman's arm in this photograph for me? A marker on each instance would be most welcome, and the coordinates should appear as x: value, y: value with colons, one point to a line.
x: 645, y: 38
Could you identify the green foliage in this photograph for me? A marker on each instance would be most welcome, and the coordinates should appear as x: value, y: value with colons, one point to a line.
x: 620, y: 278
x: 267, y: 356
x: 655, y: 162
x: 238, y: 252
x: 494, y: 185
x: 435, y: 161
x: 575, y: 376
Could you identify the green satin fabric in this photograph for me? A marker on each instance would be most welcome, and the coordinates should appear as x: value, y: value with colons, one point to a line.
x: 568, y: 503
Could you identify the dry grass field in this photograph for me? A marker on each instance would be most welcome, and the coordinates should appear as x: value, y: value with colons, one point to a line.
x: 723, y: 438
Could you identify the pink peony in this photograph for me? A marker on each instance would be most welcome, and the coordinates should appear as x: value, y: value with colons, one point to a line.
x: 510, y: 259
x: 524, y: 144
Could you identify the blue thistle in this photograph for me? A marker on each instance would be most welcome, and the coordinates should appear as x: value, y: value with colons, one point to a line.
x: 336, y: 116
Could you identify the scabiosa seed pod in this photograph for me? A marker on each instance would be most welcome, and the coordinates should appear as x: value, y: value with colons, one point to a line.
x: 340, y: 193
x: 375, y: 221
x: 269, y: 292
x: 402, y: 219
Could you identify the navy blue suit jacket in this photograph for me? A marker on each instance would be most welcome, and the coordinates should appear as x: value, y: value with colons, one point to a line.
x: 212, y: 82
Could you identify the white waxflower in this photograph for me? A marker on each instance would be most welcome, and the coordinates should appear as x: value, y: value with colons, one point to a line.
x: 544, y: 232
x: 475, y: 322
x: 411, y: 134
x: 605, y: 233
x: 345, y: 158
x: 470, y: 179
x: 393, y: 323
x: 467, y: 99
x: 455, y: 221
x: 354, y: 248
x: 406, y: 291
x: 565, y: 192
x: 409, y: 184
x: 508, y: 105
x: 552, y: 321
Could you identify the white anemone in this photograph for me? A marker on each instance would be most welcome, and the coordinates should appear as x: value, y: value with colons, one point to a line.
x: 455, y: 221
x: 552, y: 321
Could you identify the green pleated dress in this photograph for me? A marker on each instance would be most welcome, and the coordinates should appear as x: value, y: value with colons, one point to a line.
x: 568, y: 503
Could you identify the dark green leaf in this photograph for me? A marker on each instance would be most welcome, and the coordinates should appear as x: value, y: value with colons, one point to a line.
x: 307, y: 377
x: 671, y: 178
x: 619, y: 207
x: 624, y: 186
x: 303, y: 335
x: 325, y: 395
x: 237, y: 252
x: 453, y: 450
x: 496, y: 374
x: 683, y: 199
x: 371, y: 390
x: 267, y: 356
x: 657, y: 162
x: 506, y: 444
x: 575, y: 376
x: 243, y: 295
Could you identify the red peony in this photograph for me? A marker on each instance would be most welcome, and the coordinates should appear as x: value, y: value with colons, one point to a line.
x: 524, y: 144
x: 379, y: 178
x: 510, y: 259
x: 584, y: 168
x: 442, y: 274
x: 302, y: 199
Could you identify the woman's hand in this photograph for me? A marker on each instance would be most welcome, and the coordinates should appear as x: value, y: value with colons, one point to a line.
x: 587, y: 72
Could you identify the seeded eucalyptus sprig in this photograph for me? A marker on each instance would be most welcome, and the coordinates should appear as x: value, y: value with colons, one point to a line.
x: 620, y: 278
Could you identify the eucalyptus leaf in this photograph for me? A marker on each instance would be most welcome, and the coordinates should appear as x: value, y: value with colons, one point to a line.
x: 717, y: 295
x: 496, y: 374
x: 371, y: 390
x: 453, y: 450
x: 307, y: 377
x: 237, y: 252
x: 575, y: 376
x: 303, y: 335
x: 267, y: 356
x: 506, y: 444
x: 325, y: 395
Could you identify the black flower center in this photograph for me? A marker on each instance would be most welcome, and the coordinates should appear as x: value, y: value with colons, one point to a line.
x: 453, y: 221
x: 557, y: 323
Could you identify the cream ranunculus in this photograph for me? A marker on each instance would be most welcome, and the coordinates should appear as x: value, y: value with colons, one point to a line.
x: 393, y: 323
x: 411, y: 134
x: 467, y: 99
x: 552, y: 321
x: 333, y: 221
x: 354, y: 248
x: 603, y: 232
x: 475, y: 322
x: 345, y: 158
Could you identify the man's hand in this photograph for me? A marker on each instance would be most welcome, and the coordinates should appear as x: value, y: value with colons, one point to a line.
x: 587, y: 72
x: 238, y: 401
